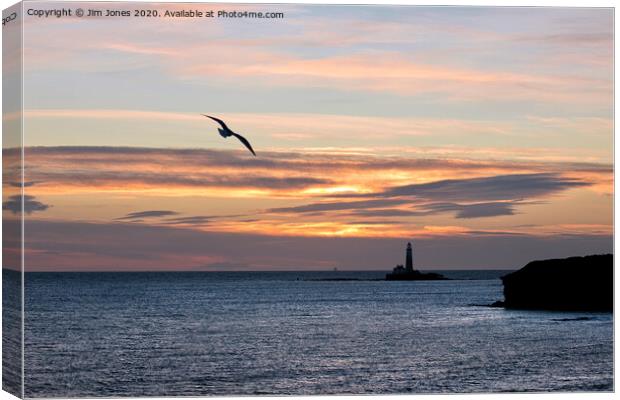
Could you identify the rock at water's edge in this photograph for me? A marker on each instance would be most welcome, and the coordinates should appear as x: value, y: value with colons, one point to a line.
x: 415, y: 275
x: 575, y: 284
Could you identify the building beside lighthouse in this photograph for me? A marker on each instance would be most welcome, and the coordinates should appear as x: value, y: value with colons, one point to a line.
x: 407, y: 273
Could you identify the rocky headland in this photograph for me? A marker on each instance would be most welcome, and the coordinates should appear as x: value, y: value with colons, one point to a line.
x: 569, y: 284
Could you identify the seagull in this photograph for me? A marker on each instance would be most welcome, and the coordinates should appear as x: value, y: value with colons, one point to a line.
x: 226, y: 132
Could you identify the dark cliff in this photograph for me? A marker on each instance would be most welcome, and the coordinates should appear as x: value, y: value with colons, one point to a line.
x: 575, y: 283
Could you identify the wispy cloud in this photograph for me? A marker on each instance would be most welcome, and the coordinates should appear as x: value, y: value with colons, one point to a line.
x: 569, y: 38
x: 476, y: 210
x: 195, y: 220
x: 296, y: 126
x: 469, y: 198
x: 337, y: 206
x: 501, y: 187
x: 30, y: 204
x: 357, y: 52
x: 461, y: 211
x: 147, y: 214
x: 390, y: 72
x: 93, y: 166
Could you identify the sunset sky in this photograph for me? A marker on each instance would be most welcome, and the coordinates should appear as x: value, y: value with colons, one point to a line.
x: 482, y: 135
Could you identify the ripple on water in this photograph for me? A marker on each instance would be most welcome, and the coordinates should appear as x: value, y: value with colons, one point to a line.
x: 205, y: 334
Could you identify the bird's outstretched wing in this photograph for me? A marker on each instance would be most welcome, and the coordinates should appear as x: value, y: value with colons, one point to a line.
x: 245, y: 142
x: 219, y: 121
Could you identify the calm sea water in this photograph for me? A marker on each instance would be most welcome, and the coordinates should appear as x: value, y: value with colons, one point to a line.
x: 138, y: 334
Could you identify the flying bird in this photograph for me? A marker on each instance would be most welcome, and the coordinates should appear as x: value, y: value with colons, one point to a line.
x: 226, y: 132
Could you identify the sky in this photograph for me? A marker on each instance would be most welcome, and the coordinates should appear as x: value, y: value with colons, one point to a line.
x: 482, y: 135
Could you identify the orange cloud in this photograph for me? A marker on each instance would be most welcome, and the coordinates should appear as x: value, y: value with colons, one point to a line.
x: 318, y: 194
x: 279, y: 173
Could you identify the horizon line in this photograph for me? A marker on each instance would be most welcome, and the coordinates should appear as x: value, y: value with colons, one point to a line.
x: 241, y: 270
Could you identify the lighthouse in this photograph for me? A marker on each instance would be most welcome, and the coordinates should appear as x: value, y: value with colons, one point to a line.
x: 409, y: 259
x: 407, y: 273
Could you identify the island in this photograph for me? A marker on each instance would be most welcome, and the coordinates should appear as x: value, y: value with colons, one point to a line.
x: 569, y: 284
x: 407, y: 273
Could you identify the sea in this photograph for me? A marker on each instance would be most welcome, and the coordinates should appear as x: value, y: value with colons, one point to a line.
x: 299, y: 333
